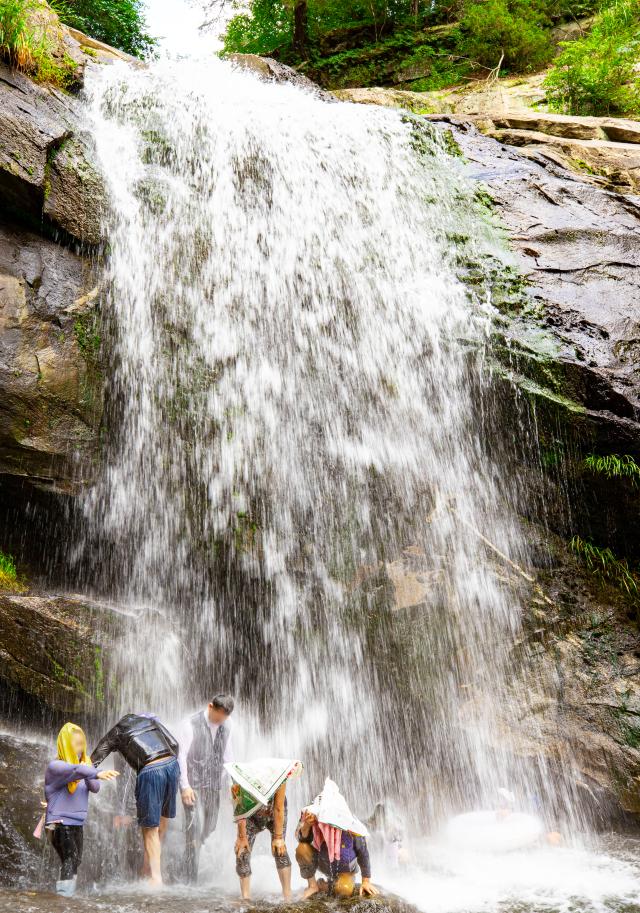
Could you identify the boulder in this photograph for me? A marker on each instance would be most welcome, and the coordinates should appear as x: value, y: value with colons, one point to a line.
x: 50, y: 377
x: 20, y: 797
x: 272, y: 70
x: 577, y: 246
x: 47, y: 176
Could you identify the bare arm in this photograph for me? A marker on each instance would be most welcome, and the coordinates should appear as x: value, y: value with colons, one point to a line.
x: 242, y: 843
x: 277, y: 844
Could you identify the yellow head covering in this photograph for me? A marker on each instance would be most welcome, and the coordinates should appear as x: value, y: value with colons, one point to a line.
x: 66, y: 752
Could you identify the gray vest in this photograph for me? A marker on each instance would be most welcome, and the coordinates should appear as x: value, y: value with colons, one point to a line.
x: 205, y: 757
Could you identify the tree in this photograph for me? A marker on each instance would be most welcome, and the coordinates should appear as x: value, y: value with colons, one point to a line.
x: 301, y: 29
x: 117, y: 22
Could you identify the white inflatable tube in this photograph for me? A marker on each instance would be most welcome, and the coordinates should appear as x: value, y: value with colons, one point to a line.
x: 490, y: 833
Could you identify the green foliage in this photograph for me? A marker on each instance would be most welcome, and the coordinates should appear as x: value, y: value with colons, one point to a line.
x: 597, y: 74
x: 119, y: 23
x: 8, y: 574
x: 510, y: 33
x: 604, y: 565
x: 264, y: 28
x: 28, y: 42
x: 613, y: 466
x: 87, y: 336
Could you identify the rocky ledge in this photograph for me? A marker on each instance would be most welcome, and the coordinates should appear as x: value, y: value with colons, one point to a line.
x: 52, y: 200
x: 602, y: 150
x: 54, y: 657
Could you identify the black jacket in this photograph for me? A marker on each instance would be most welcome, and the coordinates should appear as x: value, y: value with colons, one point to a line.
x: 139, y: 739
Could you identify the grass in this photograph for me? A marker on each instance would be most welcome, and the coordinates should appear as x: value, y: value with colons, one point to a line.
x: 9, y: 580
x: 604, y: 565
x: 614, y: 467
x: 29, y: 40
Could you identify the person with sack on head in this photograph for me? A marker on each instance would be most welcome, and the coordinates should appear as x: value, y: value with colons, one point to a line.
x: 331, y: 839
x: 260, y: 803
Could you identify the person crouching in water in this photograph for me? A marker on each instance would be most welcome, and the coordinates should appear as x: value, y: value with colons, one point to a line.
x: 67, y: 783
x: 333, y: 841
x: 152, y: 752
x: 260, y: 803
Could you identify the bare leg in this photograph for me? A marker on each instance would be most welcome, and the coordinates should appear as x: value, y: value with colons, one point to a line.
x: 285, y: 880
x: 152, y: 854
x: 245, y: 887
x: 312, y: 888
x: 164, y: 824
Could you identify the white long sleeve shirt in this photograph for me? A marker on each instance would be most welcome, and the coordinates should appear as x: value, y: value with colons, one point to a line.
x: 185, y: 740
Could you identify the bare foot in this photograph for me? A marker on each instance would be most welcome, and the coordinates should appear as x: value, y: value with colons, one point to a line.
x: 287, y: 895
x: 311, y: 890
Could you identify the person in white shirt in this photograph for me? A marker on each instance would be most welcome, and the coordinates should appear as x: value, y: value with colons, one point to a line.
x: 204, y: 741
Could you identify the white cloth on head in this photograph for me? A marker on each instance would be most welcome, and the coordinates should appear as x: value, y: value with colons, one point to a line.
x: 330, y: 807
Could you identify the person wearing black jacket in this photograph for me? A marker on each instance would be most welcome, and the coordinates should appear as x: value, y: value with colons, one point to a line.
x: 150, y: 749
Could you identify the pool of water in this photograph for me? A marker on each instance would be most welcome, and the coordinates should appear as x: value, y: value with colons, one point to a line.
x: 605, y: 878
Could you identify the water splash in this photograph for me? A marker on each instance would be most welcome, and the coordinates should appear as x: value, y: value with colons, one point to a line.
x: 300, y: 481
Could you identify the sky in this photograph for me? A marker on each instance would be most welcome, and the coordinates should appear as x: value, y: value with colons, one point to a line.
x: 176, y: 23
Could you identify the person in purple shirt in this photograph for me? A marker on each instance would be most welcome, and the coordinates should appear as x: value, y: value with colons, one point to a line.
x: 67, y: 783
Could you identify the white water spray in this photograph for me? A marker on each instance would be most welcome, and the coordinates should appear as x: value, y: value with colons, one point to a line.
x: 299, y: 394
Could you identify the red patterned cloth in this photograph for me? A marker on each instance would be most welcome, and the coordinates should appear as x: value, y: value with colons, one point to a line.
x: 332, y: 836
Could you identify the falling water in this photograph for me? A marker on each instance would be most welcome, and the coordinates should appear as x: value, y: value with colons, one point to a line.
x: 297, y: 375
x: 301, y: 435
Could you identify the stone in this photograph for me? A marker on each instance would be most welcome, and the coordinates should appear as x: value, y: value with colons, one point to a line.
x: 50, y: 379
x: 601, y: 161
x: 53, y: 653
x: 98, y: 50
x: 417, y: 102
x: 47, y: 178
x: 272, y: 70
x: 75, y: 197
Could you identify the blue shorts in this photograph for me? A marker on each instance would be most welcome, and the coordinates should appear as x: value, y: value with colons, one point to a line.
x: 156, y: 790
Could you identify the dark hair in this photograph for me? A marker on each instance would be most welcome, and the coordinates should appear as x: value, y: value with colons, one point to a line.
x: 223, y: 702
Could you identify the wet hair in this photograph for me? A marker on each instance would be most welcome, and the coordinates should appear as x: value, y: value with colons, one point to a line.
x: 223, y: 702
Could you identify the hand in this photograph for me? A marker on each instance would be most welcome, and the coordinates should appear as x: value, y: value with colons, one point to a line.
x: 307, y: 822
x: 278, y: 846
x: 107, y: 774
x: 242, y: 846
x: 188, y: 796
x: 367, y: 889
x: 122, y: 821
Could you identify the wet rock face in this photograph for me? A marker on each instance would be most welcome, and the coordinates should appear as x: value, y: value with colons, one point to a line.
x: 272, y: 70
x: 46, y: 173
x: 51, y: 655
x: 50, y: 381
x: 578, y: 247
x: 51, y: 200
x: 21, y: 765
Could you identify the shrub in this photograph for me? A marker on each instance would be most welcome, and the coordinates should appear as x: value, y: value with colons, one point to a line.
x: 604, y: 565
x: 614, y: 467
x: 29, y: 41
x: 597, y: 74
x: 119, y: 23
x: 8, y: 574
x: 513, y: 28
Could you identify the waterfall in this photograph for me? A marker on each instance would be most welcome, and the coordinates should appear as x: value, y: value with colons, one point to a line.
x: 300, y: 428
